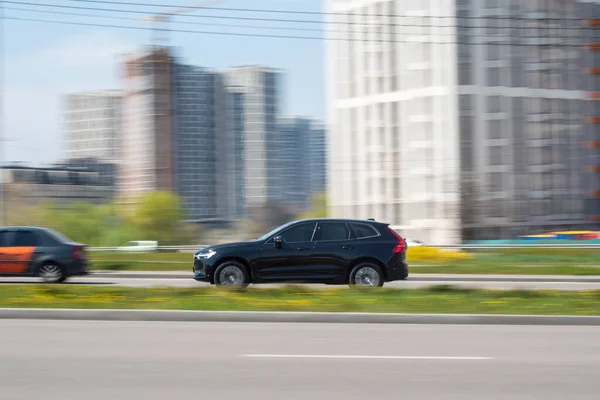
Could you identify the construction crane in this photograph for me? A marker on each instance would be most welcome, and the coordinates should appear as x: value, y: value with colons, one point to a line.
x: 160, y: 34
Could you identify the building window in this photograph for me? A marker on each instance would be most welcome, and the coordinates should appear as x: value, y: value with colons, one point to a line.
x: 495, y: 104
x: 496, y: 129
x: 465, y: 73
x: 496, y: 182
x: 494, y: 76
x: 493, y: 52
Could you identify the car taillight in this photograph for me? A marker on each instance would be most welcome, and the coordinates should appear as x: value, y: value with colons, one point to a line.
x: 77, y: 252
x: 401, y: 246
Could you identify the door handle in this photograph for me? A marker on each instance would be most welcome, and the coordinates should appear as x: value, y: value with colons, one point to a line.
x: 303, y: 248
x: 347, y: 247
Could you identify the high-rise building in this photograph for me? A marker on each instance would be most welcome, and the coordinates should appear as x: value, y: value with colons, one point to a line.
x: 255, y: 97
x: 462, y: 119
x: 177, y: 135
x: 203, y: 159
x: 317, y: 158
x: 92, y: 124
x: 146, y: 159
x: 294, y: 133
x: 303, y: 160
x: 237, y: 114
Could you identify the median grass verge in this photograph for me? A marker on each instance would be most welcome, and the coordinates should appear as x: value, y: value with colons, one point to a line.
x: 436, y: 299
x: 495, y: 261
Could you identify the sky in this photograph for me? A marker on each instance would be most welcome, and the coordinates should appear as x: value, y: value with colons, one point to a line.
x: 43, y: 61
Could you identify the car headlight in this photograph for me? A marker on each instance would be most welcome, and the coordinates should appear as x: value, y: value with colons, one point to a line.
x: 207, y: 254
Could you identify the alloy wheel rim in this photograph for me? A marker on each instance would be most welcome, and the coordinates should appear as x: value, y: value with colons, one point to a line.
x: 50, y: 272
x: 367, y: 276
x: 231, y: 276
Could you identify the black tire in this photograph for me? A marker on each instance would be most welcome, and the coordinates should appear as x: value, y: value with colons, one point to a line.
x: 369, y: 272
x: 52, y: 272
x: 232, y: 273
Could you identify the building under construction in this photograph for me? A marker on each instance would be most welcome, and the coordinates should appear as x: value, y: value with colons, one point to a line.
x: 174, y: 126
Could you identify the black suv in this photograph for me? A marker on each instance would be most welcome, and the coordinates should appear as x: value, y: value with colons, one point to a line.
x: 331, y: 251
x: 40, y: 252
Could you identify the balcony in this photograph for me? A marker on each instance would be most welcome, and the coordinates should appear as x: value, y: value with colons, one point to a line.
x: 544, y: 117
x: 542, y: 41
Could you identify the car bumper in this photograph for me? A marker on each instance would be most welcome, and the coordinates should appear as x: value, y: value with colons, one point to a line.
x: 200, y: 271
x: 77, y: 267
x: 397, y: 271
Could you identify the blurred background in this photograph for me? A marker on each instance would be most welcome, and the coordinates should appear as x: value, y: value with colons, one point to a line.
x: 461, y: 121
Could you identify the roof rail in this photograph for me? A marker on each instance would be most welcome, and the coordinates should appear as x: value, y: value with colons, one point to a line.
x: 370, y: 219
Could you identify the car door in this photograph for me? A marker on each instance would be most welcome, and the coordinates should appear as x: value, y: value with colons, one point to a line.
x: 4, y: 256
x: 291, y: 261
x: 335, y: 249
x: 19, y: 251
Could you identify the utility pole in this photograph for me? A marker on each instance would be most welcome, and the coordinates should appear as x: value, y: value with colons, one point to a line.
x: 2, y: 97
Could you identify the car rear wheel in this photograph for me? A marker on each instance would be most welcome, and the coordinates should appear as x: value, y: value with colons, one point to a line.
x: 51, y: 272
x: 366, y: 275
x: 232, y: 273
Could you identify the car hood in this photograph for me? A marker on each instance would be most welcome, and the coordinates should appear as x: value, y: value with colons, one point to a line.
x: 226, y: 246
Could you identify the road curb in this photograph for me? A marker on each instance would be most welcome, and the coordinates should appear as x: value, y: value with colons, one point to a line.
x: 412, y: 277
x: 291, y: 317
x: 133, y: 275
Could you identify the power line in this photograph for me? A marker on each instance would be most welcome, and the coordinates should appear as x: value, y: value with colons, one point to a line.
x: 141, y: 28
x: 317, y: 13
x: 229, y: 17
x: 368, y: 40
x: 139, y: 12
x: 179, y: 22
x: 231, y: 25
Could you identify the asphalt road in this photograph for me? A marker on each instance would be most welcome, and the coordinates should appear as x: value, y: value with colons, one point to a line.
x: 139, y: 360
x: 416, y: 281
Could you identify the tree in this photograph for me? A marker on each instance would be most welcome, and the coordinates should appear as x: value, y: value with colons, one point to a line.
x: 262, y: 219
x: 318, y: 207
x: 83, y: 222
x: 158, y: 216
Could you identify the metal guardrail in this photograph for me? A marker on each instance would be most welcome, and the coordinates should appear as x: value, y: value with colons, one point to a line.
x: 458, y: 247
x: 522, y: 246
x: 164, y: 248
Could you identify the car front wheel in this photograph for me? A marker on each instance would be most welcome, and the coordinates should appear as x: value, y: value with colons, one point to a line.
x: 366, y: 275
x: 232, y: 273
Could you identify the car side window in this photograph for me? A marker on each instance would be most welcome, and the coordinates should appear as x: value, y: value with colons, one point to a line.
x: 23, y: 239
x: 299, y: 233
x: 330, y: 231
x: 363, y: 230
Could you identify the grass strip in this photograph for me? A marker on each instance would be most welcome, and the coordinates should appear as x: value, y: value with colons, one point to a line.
x: 584, y: 262
x: 435, y: 299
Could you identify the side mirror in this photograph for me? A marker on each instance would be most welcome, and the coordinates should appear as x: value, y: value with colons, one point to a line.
x: 278, y: 241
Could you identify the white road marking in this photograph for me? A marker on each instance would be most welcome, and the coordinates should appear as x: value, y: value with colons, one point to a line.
x: 364, y: 357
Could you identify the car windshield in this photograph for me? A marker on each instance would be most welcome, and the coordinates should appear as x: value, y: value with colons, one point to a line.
x: 266, y: 236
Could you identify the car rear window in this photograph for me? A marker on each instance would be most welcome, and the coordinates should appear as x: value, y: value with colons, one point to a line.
x: 57, y: 237
x: 363, y: 230
x: 330, y: 231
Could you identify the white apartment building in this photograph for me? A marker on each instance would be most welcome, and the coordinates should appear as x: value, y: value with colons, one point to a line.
x: 459, y: 119
x: 92, y: 124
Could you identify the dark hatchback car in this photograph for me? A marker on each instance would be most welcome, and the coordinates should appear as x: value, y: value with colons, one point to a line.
x: 330, y: 251
x: 40, y: 252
